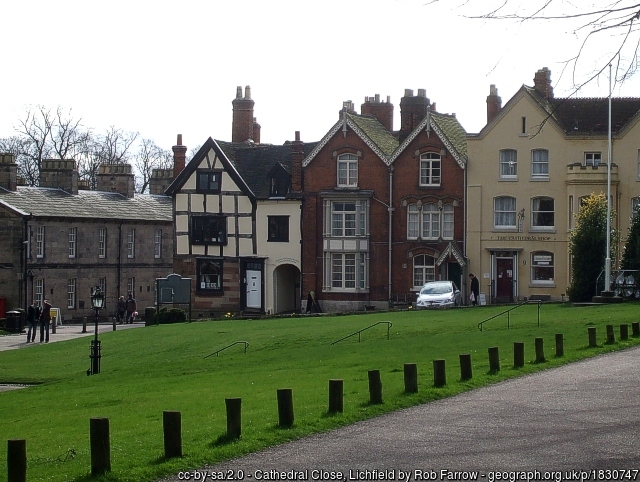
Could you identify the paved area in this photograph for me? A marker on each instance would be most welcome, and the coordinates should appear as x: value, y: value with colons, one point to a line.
x: 560, y: 424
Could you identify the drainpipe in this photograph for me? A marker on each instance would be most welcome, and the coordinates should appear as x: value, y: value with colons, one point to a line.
x: 390, y: 209
x: 25, y: 247
x: 119, y: 270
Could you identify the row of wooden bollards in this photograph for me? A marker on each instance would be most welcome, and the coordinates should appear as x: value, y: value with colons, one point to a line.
x: 172, y: 420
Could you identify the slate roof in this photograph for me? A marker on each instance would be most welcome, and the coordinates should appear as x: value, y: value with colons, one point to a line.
x: 51, y: 202
x: 255, y: 161
x: 375, y: 131
x: 589, y: 116
x: 452, y: 130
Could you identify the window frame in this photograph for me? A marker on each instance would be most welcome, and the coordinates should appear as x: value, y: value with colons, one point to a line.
x: 102, y: 243
x: 213, y: 178
x: 430, y: 163
x: 430, y: 217
x: 73, y: 239
x: 131, y: 243
x: 202, y: 225
x: 131, y: 286
x: 278, y: 229
x: 215, y: 279
x: 347, y: 223
x: 539, y: 163
x: 157, y: 244
x: 39, y: 291
x: 347, y: 164
x: 537, y: 214
x: 592, y: 155
x: 71, y: 293
x: 508, y: 167
x: 40, y: 240
x: 427, y: 271
x: 348, y: 271
x: 497, y: 212
x: 538, y: 265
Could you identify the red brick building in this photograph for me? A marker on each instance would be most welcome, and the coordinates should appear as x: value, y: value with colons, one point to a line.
x: 383, y: 211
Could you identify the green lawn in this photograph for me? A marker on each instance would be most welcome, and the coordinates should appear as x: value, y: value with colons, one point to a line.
x: 146, y: 371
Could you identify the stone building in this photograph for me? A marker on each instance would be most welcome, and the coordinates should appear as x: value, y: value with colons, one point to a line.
x: 61, y: 240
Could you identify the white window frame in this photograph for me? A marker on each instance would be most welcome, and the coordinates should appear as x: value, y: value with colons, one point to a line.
x: 448, y: 221
x: 540, y: 163
x: 102, y: 243
x: 537, y: 210
x: 638, y: 165
x: 40, y: 237
x: 39, y: 291
x: 157, y: 244
x: 347, y: 223
x: 430, y: 221
x: 348, y: 271
x: 504, y: 213
x: 347, y: 170
x: 593, y: 158
x: 542, y: 260
x: 131, y: 243
x: 413, y: 221
x: 73, y: 238
x: 71, y: 294
x: 422, y: 271
x: 131, y: 286
x: 430, y: 169
x: 508, y: 164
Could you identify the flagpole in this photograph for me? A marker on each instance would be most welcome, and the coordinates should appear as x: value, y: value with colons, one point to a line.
x: 607, y: 260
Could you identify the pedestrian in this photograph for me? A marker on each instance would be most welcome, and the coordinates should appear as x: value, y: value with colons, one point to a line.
x: 45, y: 321
x: 475, y: 289
x: 122, y: 310
x: 131, y: 308
x: 33, y: 314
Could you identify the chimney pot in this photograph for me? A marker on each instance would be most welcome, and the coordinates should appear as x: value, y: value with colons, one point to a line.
x: 408, y: 93
x: 239, y: 92
x: 422, y: 92
x: 247, y: 92
x: 297, y: 135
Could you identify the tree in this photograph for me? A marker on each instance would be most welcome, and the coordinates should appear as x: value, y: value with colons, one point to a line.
x: 631, y: 253
x: 148, y: 158
x: 609, y: 27
x: 35, y: 131
x: 587, y: 247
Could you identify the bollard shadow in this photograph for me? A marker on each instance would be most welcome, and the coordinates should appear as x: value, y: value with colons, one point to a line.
x: 328, y: 414
x: 224, y: 439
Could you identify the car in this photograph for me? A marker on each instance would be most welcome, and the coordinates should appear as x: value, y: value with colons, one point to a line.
x: 439, y: 294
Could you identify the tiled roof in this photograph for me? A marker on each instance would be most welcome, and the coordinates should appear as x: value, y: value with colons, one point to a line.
x: 49, y: 202
x: 580, y: 116
x: 254, y: 161
x: 378, y: 134
x: 452, y: 129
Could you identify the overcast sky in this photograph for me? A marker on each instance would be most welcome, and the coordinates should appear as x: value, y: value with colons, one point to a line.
x: 162, y: 68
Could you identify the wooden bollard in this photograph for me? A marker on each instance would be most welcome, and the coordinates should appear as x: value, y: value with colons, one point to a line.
x: 375, y: 387
x: 285, y: 407
x: 635, y: 328
x: 114, y: 323
x: 494, y: 360
x: 100, y: 445
x: 84, y: 324
x: 518, y: 354
x: 624, y: 331
x: 439, y: 373
x: 335, y: 396
x: 17, y: 460
x: 410, y: 378
x: 593, y: 342
x: 559, y: 344
x: 465, y: 367
x: 234, y: 417
x: 540, y: 350
x: 611, y: 337
x: 172, y: 427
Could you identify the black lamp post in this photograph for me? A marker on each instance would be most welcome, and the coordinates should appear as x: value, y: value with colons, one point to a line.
x: 97, y: 303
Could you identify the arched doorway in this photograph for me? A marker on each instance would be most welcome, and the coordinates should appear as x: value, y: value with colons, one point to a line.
x: 286, y: 289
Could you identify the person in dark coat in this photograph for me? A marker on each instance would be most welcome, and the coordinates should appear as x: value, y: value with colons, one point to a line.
x: 45, y: 321
x: 131, y: 308
x: 33, y: 313
x: 313, y: 305
x: 475, y: 289
x: 122, y: 310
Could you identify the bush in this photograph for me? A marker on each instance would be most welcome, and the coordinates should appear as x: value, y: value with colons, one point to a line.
x: 149, y: 315
x: 173, y: 315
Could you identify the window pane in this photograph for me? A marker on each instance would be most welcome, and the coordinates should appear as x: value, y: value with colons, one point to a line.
x: 540, y: 162
x: 508, y: 162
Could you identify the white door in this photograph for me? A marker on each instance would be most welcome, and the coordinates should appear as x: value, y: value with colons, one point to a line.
x: 254, y: 291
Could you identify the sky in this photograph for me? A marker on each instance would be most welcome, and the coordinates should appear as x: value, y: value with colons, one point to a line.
x: 163, y: 68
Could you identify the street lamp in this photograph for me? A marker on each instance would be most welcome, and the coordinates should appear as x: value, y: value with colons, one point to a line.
x: 97, y: 303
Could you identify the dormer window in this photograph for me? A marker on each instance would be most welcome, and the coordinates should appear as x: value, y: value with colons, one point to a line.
x: 430, y: 165
x: 279, y: 185
x: 347, y: 170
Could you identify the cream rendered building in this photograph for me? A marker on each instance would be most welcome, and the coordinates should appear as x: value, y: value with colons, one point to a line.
x: 528, y: 169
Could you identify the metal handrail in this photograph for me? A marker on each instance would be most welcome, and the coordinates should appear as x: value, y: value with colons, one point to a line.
x: 360, y: 331
x: 510, y: 310
x: 246, y: 344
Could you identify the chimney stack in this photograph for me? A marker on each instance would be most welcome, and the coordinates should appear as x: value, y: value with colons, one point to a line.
x: 297, y: 155
x: 412, y: 111
x: 542, y: 83
x: 59, y: 174
x: 160, y: 180
x: 349, y: 106
x: 383, y: 111
x: 8, y: 172
x: 494, y: 103
x: 179, y: 156
x: 116, y: 178
x: 243, y: 120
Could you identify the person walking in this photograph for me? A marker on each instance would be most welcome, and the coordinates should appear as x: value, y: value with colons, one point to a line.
x: 475, y: 289
x: 131, y: 308
x: 122, y: 310
x: 33, y: 314
x: 45, y: 321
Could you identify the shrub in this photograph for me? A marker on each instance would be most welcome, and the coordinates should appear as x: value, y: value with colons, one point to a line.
x: 173, y: 315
